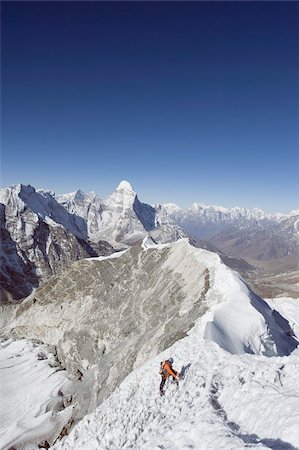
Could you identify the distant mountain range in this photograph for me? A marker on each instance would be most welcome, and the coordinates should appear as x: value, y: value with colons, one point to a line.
x: 42, y: 233
x: 240, y: 232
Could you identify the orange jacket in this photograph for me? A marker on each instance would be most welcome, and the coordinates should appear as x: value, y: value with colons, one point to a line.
x: 168, y: 370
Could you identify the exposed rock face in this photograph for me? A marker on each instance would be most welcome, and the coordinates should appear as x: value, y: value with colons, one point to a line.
x: 38, y: 238
x: 107, y: 316
x: 85, y: 206
x: 18, y: 273
x: 120, y: 221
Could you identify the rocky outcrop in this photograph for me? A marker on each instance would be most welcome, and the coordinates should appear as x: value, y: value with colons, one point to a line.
x: 106, y: 316
x: 38, y: 239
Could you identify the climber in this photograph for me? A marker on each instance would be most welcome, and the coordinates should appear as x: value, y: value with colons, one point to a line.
x: 166, y: 371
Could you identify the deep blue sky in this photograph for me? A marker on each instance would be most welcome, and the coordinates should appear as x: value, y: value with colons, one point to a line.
x: 188, y: 101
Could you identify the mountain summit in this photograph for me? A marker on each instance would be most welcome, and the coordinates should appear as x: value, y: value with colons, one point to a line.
x: 121, y: 218
x: 124, y: 185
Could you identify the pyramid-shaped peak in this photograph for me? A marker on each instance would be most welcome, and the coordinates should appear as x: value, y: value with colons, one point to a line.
x: 79, y: 195
x: 124, y: 186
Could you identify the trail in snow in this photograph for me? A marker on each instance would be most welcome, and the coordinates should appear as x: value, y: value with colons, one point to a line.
x: 224, y: 402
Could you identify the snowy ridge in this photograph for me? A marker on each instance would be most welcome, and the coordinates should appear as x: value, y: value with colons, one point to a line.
x: 238, y: 320
x: 223, y: 401
x: 182, y: 285
x: 236, y: 212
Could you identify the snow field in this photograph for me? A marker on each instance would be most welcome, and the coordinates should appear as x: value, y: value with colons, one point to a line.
x: 32, y: 404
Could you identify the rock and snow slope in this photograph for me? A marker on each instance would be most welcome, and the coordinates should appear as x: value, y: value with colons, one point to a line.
x: 38, y: 238
x: 106, y: 316
x: 41, y: 234
x: 224, y: 401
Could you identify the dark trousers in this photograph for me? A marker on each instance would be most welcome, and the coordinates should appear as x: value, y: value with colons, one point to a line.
x: 162, y: 384
x: 163, y: 381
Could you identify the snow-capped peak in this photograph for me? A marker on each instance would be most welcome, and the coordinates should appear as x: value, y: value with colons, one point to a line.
x: 123, y: 196
x: 171, y: 207
x: 79, y: 195
x: 203, y: 206
x: 124, y: 186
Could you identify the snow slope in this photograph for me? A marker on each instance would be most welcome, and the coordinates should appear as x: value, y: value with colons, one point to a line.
x: 33, y: 406
x: 289, y: 308
x: 108, y: 316
x: 224, y: 401
x: 86, y: 206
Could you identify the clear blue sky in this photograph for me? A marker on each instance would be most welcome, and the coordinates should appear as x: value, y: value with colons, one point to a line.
x: 189, y: 101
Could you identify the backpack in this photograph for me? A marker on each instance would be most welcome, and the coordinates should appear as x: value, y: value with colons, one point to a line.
x: 163, y: 371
